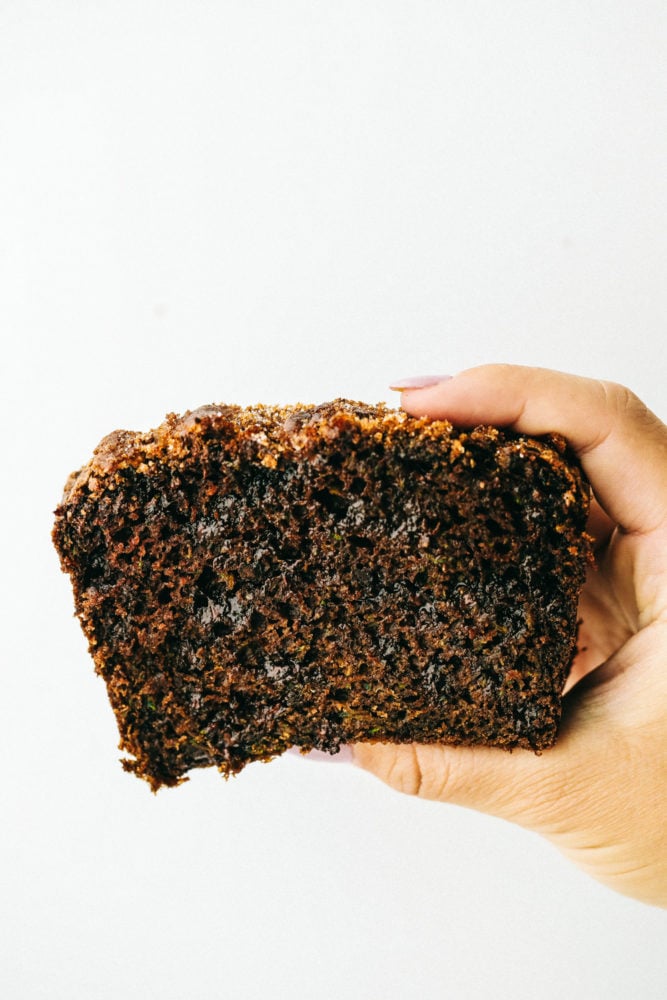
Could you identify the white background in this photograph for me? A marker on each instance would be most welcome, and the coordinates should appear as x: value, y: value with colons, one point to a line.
x: 278, y: 201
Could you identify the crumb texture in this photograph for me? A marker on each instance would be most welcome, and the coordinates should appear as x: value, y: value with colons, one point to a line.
x: 250, y: 579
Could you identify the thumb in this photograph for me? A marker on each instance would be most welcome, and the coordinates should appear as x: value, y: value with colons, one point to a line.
x: 516, y: 786
x: 545, y: 792
x: 587, y: 785
x: 597, y: 795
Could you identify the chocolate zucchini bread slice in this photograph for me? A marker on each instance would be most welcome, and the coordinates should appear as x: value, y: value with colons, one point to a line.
x: 250, y: 579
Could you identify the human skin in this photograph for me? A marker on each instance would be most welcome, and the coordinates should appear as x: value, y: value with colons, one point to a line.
x: 600, y: 794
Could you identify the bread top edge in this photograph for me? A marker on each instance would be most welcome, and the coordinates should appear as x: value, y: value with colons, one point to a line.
x: 300, y: 429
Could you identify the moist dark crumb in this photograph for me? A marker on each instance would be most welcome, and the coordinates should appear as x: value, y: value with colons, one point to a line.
x: 250, y: 579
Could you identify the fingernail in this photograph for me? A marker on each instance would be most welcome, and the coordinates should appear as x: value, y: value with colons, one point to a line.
x: 418, y: 382
x: 343, y: 756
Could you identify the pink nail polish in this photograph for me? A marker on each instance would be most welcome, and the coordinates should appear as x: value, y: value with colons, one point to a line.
x: 418, y: 382
x: 344, y: 755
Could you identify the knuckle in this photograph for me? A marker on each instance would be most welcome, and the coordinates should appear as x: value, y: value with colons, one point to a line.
x: 425, y: 771
x: 630, y: 408
x: 401, y: 771
x: 618, y: 407
x: 624, y: 405
x: 436, y: 771
x: 621, y: 401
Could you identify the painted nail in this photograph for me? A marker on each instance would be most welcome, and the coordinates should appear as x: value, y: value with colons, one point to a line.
x: 418, y: 382
x: 344, y: 755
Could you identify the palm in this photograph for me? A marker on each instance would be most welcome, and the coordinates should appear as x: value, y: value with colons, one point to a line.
x: 619, y: 629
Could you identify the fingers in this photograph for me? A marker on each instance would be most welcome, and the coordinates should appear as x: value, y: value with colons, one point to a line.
x: 517, y: 786
x: 622, y: 445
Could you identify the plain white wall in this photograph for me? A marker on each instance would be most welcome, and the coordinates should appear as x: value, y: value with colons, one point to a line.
x: 244, y: 201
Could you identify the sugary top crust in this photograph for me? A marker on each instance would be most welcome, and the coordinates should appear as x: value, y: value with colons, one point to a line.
x: 267, y: 433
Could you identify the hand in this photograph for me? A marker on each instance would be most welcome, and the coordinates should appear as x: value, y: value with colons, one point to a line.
x: 600, y: 795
